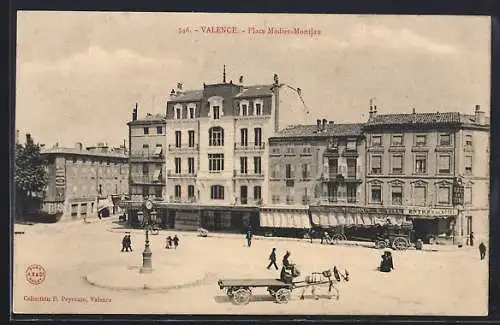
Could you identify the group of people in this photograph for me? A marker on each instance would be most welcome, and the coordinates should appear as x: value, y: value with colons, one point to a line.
x: 288, y: 270
x: 172, y: 242
x: 126, y: 243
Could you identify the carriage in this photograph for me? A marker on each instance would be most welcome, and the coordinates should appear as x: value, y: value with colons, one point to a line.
x: 240, y: 290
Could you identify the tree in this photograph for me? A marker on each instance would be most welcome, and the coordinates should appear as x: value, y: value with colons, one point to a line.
x: 30, y: 175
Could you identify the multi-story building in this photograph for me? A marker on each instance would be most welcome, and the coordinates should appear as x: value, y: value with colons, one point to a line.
x: 217, y: 154
x: 418, y: 161
x: 85, y: 182
x: 317, y: 166
x: 147, y: 157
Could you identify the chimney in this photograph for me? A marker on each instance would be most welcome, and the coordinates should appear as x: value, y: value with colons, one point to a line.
x: 318, y: 124
x: 134, y: 113
x: 324, y: 123
x: 373, y: 109
x: 29, y: 140
x: 479, y: 115
x: 413, y: 111
x: 79, y: 146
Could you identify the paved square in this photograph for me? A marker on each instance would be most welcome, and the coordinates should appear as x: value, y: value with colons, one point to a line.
x: 450, y: 281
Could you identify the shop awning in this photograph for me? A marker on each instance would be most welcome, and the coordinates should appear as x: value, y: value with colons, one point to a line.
x: 284, y: 219
x: 103, y: 204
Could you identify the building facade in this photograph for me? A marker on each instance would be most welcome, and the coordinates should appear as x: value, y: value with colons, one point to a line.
x: 147, y: 157
x: 84, y: 182
x: 419, y: 161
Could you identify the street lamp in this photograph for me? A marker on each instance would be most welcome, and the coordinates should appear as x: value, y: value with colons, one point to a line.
x: 147, y: 217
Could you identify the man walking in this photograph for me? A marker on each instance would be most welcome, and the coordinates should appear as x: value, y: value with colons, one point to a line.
x: 249, y: 237
x: 124, y: 243
x: 272, y: 259
x: 129, y: 243
x: 471, y: 239
x: 482, y: 250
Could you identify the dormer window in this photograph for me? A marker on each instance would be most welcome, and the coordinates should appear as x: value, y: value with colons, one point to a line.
x: 178, y: 112
x: 216, y: 110
x: 191, y: 111
x: 244, y: 110
x: 258, y: 105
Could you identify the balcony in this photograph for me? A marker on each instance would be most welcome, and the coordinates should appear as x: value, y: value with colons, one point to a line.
x: 239, y: 175
x: 249, y: 146
x: 340, y: 178
x: 175, y: 199
x: 183, y: 148
x: 147, y: 156
x: 147, y: 180
x: 183, y: 174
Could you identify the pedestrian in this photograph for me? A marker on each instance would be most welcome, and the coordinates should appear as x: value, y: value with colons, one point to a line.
x: 249, y: 237
x: 284, y: 276
x: 386, y: 265
x: 176, y: 241
x: 311, y: 235
x: 482, y: 250
x: 129, y: 243
x: 471, y: 238
x: 419, y: 244
x: 124, y: 243
x: 272, y: 259
x: 168, y: 243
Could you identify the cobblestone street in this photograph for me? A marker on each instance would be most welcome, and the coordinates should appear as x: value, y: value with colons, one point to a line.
x: 449, y: 281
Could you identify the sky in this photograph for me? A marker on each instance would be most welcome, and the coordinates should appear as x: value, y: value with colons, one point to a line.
x: 79, y: 74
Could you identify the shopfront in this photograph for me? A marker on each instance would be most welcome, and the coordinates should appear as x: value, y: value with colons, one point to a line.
x: 287, y: 221
x: 433, y: 225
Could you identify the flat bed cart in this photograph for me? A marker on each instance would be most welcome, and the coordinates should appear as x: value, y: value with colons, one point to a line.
x: 240, y: 290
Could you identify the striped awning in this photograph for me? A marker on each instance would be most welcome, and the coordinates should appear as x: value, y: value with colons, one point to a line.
x: 284, y: 219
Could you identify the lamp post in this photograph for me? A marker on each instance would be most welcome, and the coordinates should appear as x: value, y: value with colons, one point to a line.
x: 147, y: 216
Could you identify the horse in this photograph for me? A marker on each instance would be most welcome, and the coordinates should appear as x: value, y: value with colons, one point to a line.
x: 330, y: 276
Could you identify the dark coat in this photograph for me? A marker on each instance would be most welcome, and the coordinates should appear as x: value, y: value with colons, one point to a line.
x: 272, y: 257
x: 386, y: 265
x: 482, y: 248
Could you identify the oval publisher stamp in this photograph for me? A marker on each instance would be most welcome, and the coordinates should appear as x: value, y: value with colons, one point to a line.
x: 35, y: 274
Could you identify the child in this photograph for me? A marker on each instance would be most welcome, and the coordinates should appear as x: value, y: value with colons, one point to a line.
x: 176, y: 241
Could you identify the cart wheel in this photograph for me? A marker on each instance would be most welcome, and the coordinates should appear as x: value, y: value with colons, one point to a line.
x: 229, y: 292
x: 272, y: 291
x: 241, y: 297
x: 283, y: 296
x: 380, y: 244
x: 400, y: 243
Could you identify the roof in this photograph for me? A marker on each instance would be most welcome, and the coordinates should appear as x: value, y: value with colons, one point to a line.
x: 150, y: 118
x: 75, y: 151
x: 335, y: 130
x: 471, y: 120
x: 187, y: 96
x: 255, y: 91
x: 415, y: 118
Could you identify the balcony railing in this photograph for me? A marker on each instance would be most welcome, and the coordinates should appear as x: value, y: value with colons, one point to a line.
x: 183, y: 147
x: 172, y: 173
x: 144, y: 156
x: 139, y: 179
x: 175, y: 199
x: 249, y: 146
x: 249, y: 174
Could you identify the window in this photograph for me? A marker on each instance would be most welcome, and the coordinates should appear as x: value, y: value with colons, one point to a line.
x: 146, y: 130
x: 145, y: 191
x: 444, y: 140
x: 332, y: 192
x: 397, y: 194
x: 397, y: 140
x: 191, y: 165
x: 421, y: 164
x: 420, y: 195
x: 288, y: 171
x: 178, y: 113
x: 216, y: 136
x: 178, y: 139
x: 376, y: 193
x: 276, y: 199
x: 351, y: 193
x: 333, y: 166
x: 397, y: 164
x: 243, y: 165
x: 244, y: 110
x: 444, y: 163
x: 351, y: 168
x: 145, y: 169
x: 289, y: 199
x: 420, y: 140
x: 376, y: 165
x: 258, y: 136
x: 177, y: 191
x: 306, y: 172
x: 351, y: 145
x: 191, y: 112
x: 468, y: 139
x: 158, y: 192
x: 444, y: 194
x: 376, y: 140
x: 217, y: 192
x: 244, y: 137
x: 257, y: 169
x: 258, y: 109
x: 216, y: 112
x: 216, y: 162
x: 468, y: 165
x: 74, y: 210
x: 191, y: 191
x: 290, y: 151
x: 275, y: 151
x: 191, y: 139
x: 276, y: 172
x: 257, y: 192
x: 178, y: 166
x: 306, y: 150
x: 468, y: 195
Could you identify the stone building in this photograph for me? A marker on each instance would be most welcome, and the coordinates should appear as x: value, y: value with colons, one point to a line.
x: 85, y: 182
x: 418, y: 161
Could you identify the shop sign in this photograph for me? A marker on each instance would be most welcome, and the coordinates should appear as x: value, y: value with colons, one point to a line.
x: 430, y: 212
